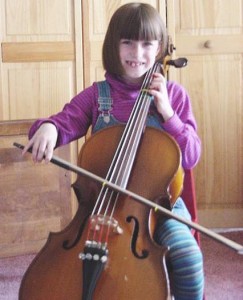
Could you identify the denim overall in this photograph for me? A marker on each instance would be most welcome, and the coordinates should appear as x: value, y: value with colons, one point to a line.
x: 188, y: 280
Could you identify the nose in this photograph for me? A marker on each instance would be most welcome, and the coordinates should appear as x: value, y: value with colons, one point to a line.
x: 137, y: 50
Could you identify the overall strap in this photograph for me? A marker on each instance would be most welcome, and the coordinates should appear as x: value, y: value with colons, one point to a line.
x: 105, y: 106
x: 104, y: 100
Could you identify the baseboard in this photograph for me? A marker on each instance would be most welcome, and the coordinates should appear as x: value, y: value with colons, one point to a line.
x: 221, y: 218
x: 226, y: 230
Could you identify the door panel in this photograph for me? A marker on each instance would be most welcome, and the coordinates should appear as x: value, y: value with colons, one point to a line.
x: 41, y: 68
x: 34, y: 199
x: 209, y: 34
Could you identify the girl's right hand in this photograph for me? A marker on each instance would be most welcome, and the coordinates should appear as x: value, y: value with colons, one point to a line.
x: 43, y: 143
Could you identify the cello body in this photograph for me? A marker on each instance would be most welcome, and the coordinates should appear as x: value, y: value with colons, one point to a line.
x: 136, y: 265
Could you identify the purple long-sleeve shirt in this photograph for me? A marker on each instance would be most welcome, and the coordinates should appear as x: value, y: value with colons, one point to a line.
x: 82, y: 111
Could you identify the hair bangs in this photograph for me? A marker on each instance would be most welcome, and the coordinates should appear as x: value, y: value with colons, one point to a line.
x: 140, y: 25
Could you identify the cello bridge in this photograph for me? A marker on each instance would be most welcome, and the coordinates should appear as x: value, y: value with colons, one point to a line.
x: 99, y: 222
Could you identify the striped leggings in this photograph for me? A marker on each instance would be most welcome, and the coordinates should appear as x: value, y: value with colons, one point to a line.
x: 184, y: 258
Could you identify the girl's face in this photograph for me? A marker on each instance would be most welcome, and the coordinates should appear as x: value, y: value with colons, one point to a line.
x: 137, y: 57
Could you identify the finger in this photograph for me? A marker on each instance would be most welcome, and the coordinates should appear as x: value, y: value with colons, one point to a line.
x: 158, y: 76
x: 39, y: 151
x: 34, y: 149
x: 49, y: 152
x: 27, y: 147
x: 158, y: 86
x: 154, y: 92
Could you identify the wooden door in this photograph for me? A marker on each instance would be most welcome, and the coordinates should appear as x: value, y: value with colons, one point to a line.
x: 209, y: 34
x: 40, y: 70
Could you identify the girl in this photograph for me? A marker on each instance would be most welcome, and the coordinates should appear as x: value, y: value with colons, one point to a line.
x: 135, y: 39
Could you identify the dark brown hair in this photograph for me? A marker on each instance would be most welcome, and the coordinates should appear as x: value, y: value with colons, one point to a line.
x: 135, y: 21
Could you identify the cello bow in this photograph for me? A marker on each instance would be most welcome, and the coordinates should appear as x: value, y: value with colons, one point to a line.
x: 157, y: 208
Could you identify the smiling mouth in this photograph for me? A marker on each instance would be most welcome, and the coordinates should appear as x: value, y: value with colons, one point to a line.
x: 134, y: 64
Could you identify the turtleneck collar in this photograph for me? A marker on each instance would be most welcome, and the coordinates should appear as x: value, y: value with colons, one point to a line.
x: 117, y: 83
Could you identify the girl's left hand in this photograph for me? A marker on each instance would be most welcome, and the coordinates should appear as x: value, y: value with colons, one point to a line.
x: 158, y: 89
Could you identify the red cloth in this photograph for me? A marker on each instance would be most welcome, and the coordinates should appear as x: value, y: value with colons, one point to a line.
x: 189, y: 197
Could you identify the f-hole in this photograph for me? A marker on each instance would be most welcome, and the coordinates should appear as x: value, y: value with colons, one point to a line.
x: 145, y: 253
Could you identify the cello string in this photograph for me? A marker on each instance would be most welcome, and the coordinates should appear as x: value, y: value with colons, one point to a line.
x: 140, y: 121
x: 129, y: 145
x: 112, y: 203
x: 136, y: 127
x: 131, y: 125
x: 133, y: 143
x: 130, y: 153
x: 120, y: 149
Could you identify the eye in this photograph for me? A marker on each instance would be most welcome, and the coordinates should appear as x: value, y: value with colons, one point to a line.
x: 148, y: 43
x: 125, y: 42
